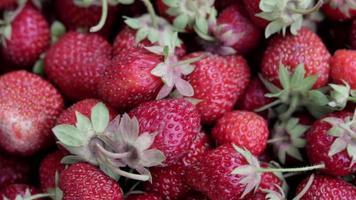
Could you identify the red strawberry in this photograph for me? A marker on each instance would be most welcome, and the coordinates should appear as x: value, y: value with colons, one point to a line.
x: 168, y: 182
x: 253, y: 8
x: 28, y: 39
x: 254, y: 96
x: 76, y: 62
x: 196, y: 196
x: 340, y: 10
x: 13, y: 170
x: 18, y: 190
x: 218, y: 82
x: 200, y: 145
x: 51, y: 165
x: 84, y: 107
x: 83, y: 181
x: 75, y: 16
x: 5, y: 4
x: 353, y: 35
x: 328, y: 143
x: 343, y: 66
x: 30, y: 107
x: 145, y: 196
x: 324, y: 187
x: 304, y: 48
x: 245, y: 129
x: 177, y: 123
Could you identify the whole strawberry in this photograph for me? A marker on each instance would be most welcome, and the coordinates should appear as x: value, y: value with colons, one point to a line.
x: 145, y: 196
x: 28, y: 39
x: 83, y: 181
x: 343, y: 66
x: 325, y: 187
x: 14, y: 191
x: 168, y: 182
x: 30, y: 108
x: 13, y: 170
x: 245, y: 129
x: 76, y: 62
x: 353, y: 35
x: 218, y: 82
x: 176, y: 122
x: 304, y: 48
x: 340, y: 10
x: 330, y: 141
x: 200, y: 145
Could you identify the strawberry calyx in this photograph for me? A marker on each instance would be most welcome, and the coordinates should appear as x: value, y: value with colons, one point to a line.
x: 340, y: 95
x: 286, y: 13
x: 345, y: 6
x: 306, y: 188
x: 109, y: 145
x: 287, y: 139
x: 275, y: 195
x: 29, y: 196
x: 55, y: 193
x: 344, y: 130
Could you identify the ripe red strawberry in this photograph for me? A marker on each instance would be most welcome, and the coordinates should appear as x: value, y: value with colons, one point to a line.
x: 15, y: 190
x: 200, y: 145
x: 76, y: 62
x: 168, y: 182
x: 177, y: 123
x: 328, y: 143
x: 218, y: 82
x: 83, y: 181
x: 13, y: 170
x: 28, y: 39
x: 343, y: 66
x: 325, y: 187
x: 245, y: 129
x: 353, y: 35
x: 5, y: 4
x: 75, y: 16
x: 30, y: 107
x: 254, y: 96
x: 145, y: 196
x: 253, y: 8
x: 304, y: 48
x: 340, y: 10
x: 49, y: 166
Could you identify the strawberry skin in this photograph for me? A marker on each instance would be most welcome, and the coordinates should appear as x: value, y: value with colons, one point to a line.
x: 30, y: 36
x: 218, y: 82
x: 304, y: 48
x: 318, y: 146
x: 328, y: 188
x: 13, y: 170
x: 343, y: 67
x: 83, y: 181
x: 200, y: 145
x: 353, y: 35
x: 253, y: 7
x: 11, y: 191
x: 168, y: 182
x: 5, y: 4
x: 49, y: 166
x: 143, y: 197
x: 245, y: 129
x: 177, y: 123
x: 76, y: 62
x: 338, y: 13
x: 30, y: 107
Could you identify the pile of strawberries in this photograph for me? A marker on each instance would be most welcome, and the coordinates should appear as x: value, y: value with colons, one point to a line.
x: 178, y: 99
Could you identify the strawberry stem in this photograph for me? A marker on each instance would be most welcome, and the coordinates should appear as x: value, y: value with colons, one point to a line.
x: 308, y: 11
x: 38, y: 196
x: 130, y: 175
x: 297, y: 169
x: 293, y: 106
x: 270, y: 105
x: 112, y: 155
x: 104, y: 15
x: 278, y: 139
x: 189, y: 61
x: 306, y: 188
x: 152, y: 13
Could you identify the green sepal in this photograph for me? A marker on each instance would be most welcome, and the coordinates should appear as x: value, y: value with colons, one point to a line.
x: 99, y: 117
x: 57, y: 31
x: 180, y: 22
x: 69, y: 135
x: 71, y: 159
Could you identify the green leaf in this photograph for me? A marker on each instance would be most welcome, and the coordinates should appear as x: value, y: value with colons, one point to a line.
x: 308, y: 83
x: 132, y: 22
x: 180, y: 22
x: 284, y: 77
x: 316, y: 97
x: 83, y: 122
x: 100, y: 117
x: 171, y: 3
x: 273, y: 28
x: 270, y: 86
x: 202, y: 25
x: 298, y: 75
x: 126, y: 2
x: 69, y: 135
x: 71, y: 159
x: 141, y: 34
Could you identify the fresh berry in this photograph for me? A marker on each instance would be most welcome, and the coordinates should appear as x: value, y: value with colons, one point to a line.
x: 304, y: 48
x: 343, y: 66
x: 253, y: 8
x: 30, y: 108
x: 14, y: 191
x: 83, y: 181
x: 244, y: 129
x: 5, y: 4
x: 200, y: 145
x: 13, y: 170
x: 145, y: 196
x: 218, y: 82
x: 76, y: 62
x: 340, y: 10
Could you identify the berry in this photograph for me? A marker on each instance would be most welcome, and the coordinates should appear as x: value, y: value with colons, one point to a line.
x: 343, y: 66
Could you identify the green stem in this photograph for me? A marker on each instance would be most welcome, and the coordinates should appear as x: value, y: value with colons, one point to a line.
x: 104, y: 15
x: 297, y: 169
x: 191, y: 60
x: 278, y: 139
x: 292, y: 107
x: 152, y: 13
x: 130, y: 175
x: 112, y: 155
x: 270, y: 105
x: 305, y: 189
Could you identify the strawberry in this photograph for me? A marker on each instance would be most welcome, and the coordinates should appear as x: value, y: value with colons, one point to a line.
x: 343, y: 66
x: 168, y: 182
x: 353, y: 35
x: 14, y: 191
x: 176, y: 122
x: 254, y: 96
x: 75, y: 15
x: 340, y: 10
x: 83, y: 181
x: 13, y: 170
x: 252, y: 8
x: 243, y: 128
x: 6, y: 4
x: 196, y: 196
x: 30, y: 108
x: 28, y: 39
x: 325, y: 187
x: 85, y: 106
x: 76, y: 62
x: 330, y: 141
x: 50, y: 165
x: 200, y: 145
x: 145, y: 196
x: 304, y: 48
x: 218, y: 82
